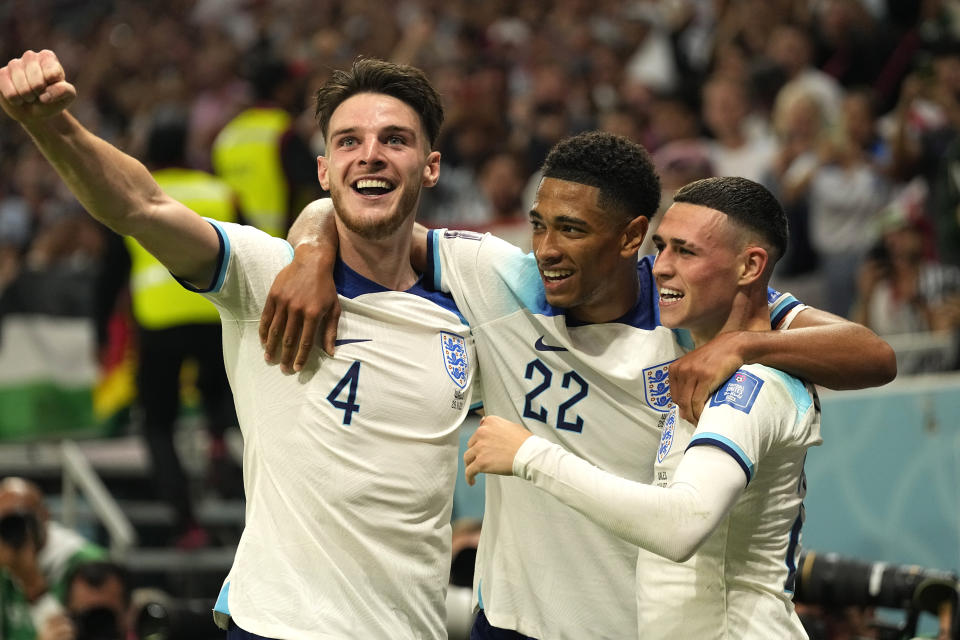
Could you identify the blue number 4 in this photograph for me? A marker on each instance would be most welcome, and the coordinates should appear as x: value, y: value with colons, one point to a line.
x: 351, y: 377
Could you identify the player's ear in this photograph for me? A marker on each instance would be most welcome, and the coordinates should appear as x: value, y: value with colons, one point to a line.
x: 322, y: 172
x: 753, y: 263
x: 633, y: 235
x: 431, y: 172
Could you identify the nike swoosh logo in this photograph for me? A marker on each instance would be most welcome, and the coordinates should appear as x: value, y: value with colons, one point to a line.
x: 351, y: 341
x: 540, y: 346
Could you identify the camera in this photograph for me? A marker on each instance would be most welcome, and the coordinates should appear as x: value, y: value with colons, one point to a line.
x: 18, y: 527
x: 97, y: 623
x: 832, y: 580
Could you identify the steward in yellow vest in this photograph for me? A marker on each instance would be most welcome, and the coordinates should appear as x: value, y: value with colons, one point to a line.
x: 176, y: 326
x: 261, y: 157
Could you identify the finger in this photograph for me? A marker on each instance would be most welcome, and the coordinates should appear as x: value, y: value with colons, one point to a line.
x: 275, y: 334
x: 21, y: 88
x: 266, y: 318
x: 471, y: 475
x: 50, y: 67
x: 34, y: 75
x: 473, y: 439
x: 469, y: 455
x: 290, y: 341
x: 59, y: 92
x: 700, y: 396
x: 306, y: 342
x: 7, y: 89
x: 330, y: 328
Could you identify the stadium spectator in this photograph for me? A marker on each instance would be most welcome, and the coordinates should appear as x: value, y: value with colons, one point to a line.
x: 737, y: 147
x: 348, y: 508
x: 97, y: 606
x: 846, y: 190
x: 802, y: 129
x: 37, y: 557
x: 900, y: 290
x: 261, y: 155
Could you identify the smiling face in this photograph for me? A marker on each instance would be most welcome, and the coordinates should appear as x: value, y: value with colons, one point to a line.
x: 697, y: 270
x: 376, y: 162
x: 586, y: 256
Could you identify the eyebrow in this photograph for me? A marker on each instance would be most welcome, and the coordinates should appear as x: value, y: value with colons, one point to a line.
x: 561, y: 219
x: 394, y: 128
x: 675, y: 241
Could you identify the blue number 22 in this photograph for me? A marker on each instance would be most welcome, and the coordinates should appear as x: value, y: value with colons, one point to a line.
x: 542, y: 415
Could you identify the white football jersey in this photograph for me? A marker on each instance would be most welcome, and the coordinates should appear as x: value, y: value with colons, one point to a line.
x: 739, y: 583
x: 598, y: 390
x: 348, y: 466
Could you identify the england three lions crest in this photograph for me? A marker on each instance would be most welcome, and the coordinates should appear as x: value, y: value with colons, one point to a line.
x: 455, y: 357
x: 656, y: 387
x: 666, y: 438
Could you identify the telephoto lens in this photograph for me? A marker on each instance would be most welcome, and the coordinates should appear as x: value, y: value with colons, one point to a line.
x: 831, y: 579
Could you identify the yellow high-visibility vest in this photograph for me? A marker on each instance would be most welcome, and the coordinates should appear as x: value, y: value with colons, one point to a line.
x: 159, y: 301
x: 246, y: 153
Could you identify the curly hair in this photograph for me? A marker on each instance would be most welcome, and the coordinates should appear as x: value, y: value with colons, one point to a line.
x: 747, y: 203
x: 370, y: 75
x: 622, y: 170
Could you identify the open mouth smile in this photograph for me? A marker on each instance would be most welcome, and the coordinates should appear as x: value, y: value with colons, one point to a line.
x: 555, y: 275
x: 373, y: 186
x: 669, y: 296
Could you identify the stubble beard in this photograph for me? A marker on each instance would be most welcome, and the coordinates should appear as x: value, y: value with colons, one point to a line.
x: 378, y: 228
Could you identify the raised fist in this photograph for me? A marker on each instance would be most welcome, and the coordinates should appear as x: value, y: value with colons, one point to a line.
x: 33, y: 87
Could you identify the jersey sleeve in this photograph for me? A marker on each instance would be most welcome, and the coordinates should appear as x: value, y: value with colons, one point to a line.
x: 783, y: 308
x: 249, y: 261
x: 755, y: 410
x: 670, y: 521
x: 488, y: 277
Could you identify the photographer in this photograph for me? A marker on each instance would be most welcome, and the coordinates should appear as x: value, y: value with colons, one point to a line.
x: 37, y: 556
x: 97, y: 605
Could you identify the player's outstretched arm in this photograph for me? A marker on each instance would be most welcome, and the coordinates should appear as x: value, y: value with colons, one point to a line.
x: 114, y: 187
x: 672, y: 522
x: 302, y: 301
x: 820, y: 347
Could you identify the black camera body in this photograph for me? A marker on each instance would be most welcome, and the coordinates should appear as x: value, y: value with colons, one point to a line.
x: 18, y: 527
x: 98, y: 623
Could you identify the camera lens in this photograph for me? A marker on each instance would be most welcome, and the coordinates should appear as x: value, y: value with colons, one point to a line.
x: 13, y: 530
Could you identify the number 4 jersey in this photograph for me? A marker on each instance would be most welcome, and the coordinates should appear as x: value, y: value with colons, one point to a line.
x: 349, y: 466
x: 598, y: 390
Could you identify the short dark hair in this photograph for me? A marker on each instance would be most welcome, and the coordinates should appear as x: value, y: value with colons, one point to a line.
x: 96, y: 573
x: 749, y: 204
x: 620, y: 168
x: 370, y: 75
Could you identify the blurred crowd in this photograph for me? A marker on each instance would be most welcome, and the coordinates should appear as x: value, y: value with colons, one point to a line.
x: 847, y: 109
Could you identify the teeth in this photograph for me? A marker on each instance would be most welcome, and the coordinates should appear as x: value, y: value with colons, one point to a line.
x: 670, y: 293
x: 552, y: 273
x: 373, y: 184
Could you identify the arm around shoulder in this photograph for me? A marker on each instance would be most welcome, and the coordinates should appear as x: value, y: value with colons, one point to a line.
x: 829, y: 351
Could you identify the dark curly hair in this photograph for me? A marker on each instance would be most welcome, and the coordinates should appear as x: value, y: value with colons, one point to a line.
x: 749, y: 204
x: 369, y: 75
x: 620, y: 169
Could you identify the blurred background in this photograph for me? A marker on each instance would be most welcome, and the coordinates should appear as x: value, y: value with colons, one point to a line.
x: 848, y: 110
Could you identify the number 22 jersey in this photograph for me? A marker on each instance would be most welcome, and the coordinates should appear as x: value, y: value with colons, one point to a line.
x: 598, y: 390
